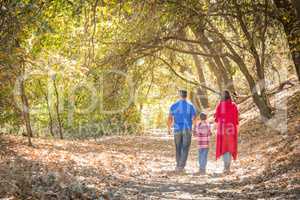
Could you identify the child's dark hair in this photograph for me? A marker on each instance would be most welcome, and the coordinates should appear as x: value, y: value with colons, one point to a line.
x: 203, y: 116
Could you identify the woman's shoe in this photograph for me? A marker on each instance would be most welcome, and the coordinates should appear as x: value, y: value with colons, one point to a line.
x: 227, y: 171
x: 202, y: 172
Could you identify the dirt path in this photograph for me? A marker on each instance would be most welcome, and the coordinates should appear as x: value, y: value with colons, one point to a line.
x: 131, y: 167
x: 157, y: 180
x: 139, y: 167
x: 160, y: 182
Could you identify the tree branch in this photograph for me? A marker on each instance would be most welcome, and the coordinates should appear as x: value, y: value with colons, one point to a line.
x: 190, y: 52
x: 185, y: 79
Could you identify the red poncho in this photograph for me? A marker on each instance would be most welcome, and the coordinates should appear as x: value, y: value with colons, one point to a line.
x: 226, y: 117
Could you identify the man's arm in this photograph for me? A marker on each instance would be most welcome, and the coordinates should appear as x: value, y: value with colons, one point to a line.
x: 170, y: 123
x: 194, y: 125
x: 194, y: 117
x: 194, y: 120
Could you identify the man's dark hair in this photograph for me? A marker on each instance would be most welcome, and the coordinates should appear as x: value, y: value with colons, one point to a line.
x: 203, y: 116
x: 183, y: 93
x: 226, y: 95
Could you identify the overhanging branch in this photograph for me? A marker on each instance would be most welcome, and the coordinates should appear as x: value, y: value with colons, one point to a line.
x: 191, y: 52
x: 185, y: 79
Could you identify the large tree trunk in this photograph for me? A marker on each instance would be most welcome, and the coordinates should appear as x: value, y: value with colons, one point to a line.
x: 207, y: 46
x: 262, y: 103
x: 258, y: 90
x: 259, y: 97
x: 290, y: 21
x: 25, y: 112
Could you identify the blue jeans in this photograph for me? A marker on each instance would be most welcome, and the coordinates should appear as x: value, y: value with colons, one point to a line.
x: 182, y: 145
x: 203, y: 158
x: 227, y: 160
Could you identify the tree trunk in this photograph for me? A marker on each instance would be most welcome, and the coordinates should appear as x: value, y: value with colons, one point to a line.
x: 296, y: 4
x: 201, y: 93
x: 290, y: 21
x: 295, y: 54
x: 213, y: 68
x: 258, y: 89
x: 261, y: 100
x: 49, y: 110
x: 228, y: 66
x: 262, y: 103
x: 25, y: 112
x: 195, y: 100
x: 50, y: 116
x: 206, y: 45
x: 57, y: 110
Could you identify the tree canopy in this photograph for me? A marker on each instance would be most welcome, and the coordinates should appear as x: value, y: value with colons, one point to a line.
x: 69, y: 66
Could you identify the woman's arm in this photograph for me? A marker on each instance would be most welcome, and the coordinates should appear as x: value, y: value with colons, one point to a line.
x: 236, y: 115
x: 217, y: 113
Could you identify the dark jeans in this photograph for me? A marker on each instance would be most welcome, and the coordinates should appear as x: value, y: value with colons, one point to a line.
x: 182, y: 144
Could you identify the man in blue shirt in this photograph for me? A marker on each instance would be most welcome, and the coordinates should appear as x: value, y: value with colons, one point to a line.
x: 182, y: 116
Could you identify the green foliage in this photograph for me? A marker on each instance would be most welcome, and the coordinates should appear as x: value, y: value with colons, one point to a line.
x: 108, y: 55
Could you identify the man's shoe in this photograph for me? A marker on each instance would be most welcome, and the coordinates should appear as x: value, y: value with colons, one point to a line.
x: 177, y: 169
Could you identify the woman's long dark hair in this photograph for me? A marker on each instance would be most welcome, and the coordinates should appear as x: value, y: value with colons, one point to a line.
x: 225, y: 95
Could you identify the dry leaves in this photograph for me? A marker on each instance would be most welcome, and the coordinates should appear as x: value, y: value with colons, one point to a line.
x: 141, y: 167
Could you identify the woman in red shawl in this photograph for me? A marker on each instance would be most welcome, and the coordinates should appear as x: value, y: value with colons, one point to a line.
x: 226, y: 117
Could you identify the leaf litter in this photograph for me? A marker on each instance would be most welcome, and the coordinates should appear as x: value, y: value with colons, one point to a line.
x: 142, y: 167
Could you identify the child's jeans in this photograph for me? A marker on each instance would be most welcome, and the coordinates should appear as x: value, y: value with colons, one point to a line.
x: 203, y: 158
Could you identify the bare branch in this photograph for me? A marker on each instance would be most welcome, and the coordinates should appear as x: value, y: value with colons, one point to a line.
x: 185, y: 79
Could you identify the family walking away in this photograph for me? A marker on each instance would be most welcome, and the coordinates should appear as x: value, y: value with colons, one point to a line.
x: 183, y: 122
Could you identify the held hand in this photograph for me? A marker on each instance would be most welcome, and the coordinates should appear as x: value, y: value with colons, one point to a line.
x: 194, y: 133
x: 169, y: 131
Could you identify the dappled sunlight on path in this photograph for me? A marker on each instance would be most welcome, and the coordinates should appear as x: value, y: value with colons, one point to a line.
x: 136, y: 167
x: 159, y: 181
